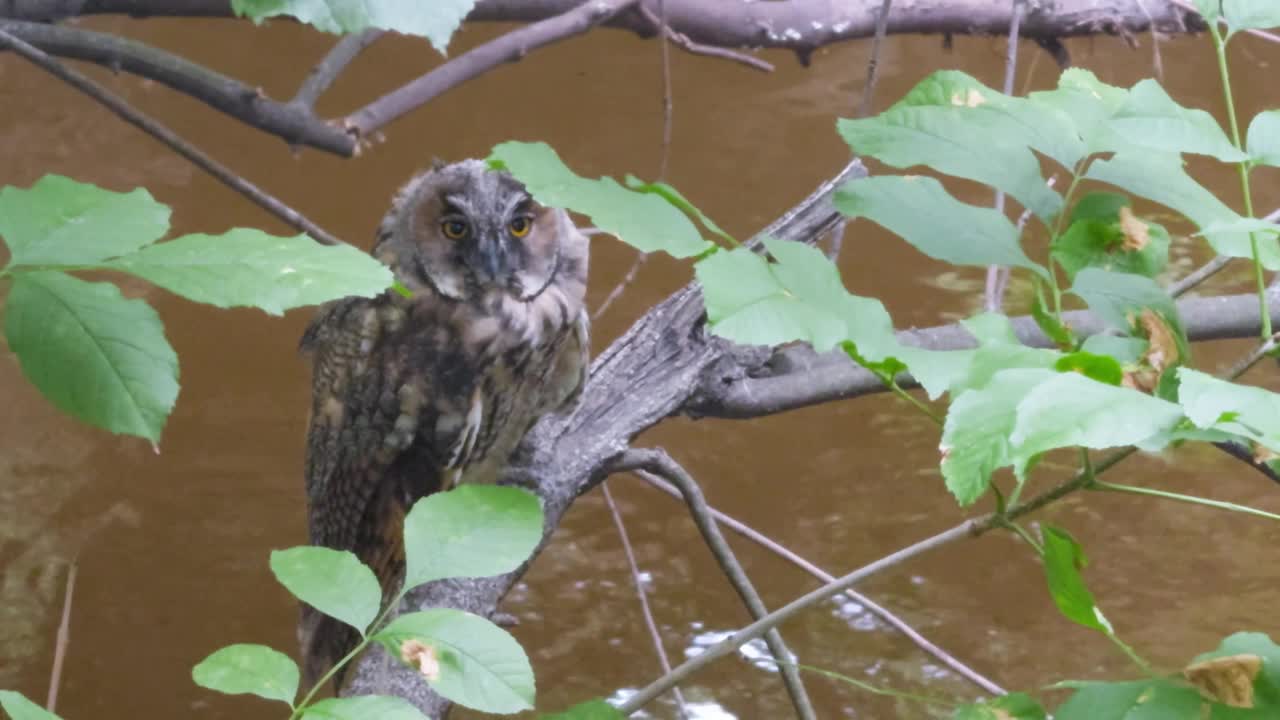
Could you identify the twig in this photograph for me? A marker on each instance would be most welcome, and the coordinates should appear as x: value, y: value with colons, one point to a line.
x: 294, y: 123
x: 869, y: 91
x: 64, y: 637
x: 667, y: 104
x: 1156, y: 60
x: 1199, y: 275
x: 511, y: 46
x: 622, y: 285
x: 1270, y: 37
x: 327, y: 70
x: 642, y: 594
x: 880, y: 611
x: 997, y: 276
x: 683, y: 41
x: 659, y: 462
x: 152, y: 127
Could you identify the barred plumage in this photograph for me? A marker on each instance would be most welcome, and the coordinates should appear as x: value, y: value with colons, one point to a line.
x: 413, y: 395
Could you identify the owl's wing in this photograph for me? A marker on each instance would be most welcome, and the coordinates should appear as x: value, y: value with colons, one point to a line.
x: 381, y: 436
x: 573, y: 362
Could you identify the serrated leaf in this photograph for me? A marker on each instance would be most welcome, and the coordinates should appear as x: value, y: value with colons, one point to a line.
x: 1242, y: 410
x: 92, y: 353
x: 363, y: 707
x: 1251, y: 14
x: 1155, y: 699
x: 20, y: 708
x: 1117, y: 297
x: 947, y: 126
x: 975, y: 435
x: 915, y: 207
x: 1264, y: 138
x: 480, y: 665
x: 645, y: 221
x: 1150, y: 118
x: 470, y: 531
x: 1063, y: 561
x: 249, y: 669
x: 59, y: 221
x: 334, y: 582
x: 591, y: 710
x: 435, y: 21
x: 1160, y: 177
x: 1071, y: 410
x: 246, y: 267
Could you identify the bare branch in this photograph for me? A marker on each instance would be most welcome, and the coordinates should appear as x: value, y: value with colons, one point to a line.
x: 512, y: 46
x: 694, y: 48
x: 873, y: 64
x: 63, y: 639
x: 997, y: 276
x: 120, y: 107
x: 658, y: 462
x: 296, y: 124
x: 642, y: 594
x: 875, y: 608
x: 323, y: 74
x: 622, y: 285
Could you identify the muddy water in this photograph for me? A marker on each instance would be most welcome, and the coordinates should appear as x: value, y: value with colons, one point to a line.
x: 172, y: 548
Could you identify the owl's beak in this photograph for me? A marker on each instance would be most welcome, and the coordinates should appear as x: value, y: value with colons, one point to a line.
x: 492, y: 258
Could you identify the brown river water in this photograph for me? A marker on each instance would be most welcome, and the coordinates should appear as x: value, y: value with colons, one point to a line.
x: 172, y: 548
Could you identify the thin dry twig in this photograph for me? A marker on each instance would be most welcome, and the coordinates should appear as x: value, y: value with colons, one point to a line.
x: 479, y: 60
x: 622, y: 285
x: 63, y: 639
x: 682, y: 41
x: 667, y: 104
x: 997, y: 276
x: 873, y: 65
x: 875, y: 608
x: 327, y: 70
x: 656, y: 461
x: 127, y: 112
x: 642, y: 594
x: 1156, y: 60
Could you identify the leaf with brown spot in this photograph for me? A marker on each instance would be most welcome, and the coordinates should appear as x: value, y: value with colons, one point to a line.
x: 1136, y: 235
x: 1163, y: 351
x: 1228, y: 680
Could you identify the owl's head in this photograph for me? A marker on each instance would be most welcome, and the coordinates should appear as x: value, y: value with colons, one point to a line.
x: 465, y: 231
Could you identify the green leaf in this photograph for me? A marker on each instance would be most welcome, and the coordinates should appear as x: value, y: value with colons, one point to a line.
x: 673, y: 196
x: 1264, y: 138
x: 20, y: 708
x: 1150, y: 118
x: 435, y: 21
x: 92, y: 353
x: 1090, y: 103
x: 1266, y: 683
x: 1126, y: 350
x: 1154, y: 699
x: 948, y: 126
x: 1116, y: 296
x: 1251, y: 14
x: 249, y: 669
x: 1071, y: 410
x: 1160, y: 177
x: 1053, y: 328
x: 916, y: 207
x: 1102, y: 368
x: 334, y: 582
x: 975, y: 435
x: 591, y: 710
x: 470, y: 531
x: 1014, y: 706
x: 645, y: 221
x: 1097, y: 238
x: 479, y: 664
x: 246, y: 267
x: 363, y: 707
x: 62, y: 222
x: 999, y: 349
x: 1210, y: 10
x: 1063, y: 561
x: 1242, y: 410
x: 1262, y: 228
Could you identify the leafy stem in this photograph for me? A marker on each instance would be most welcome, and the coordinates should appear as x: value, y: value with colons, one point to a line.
x: 1132, y: 654
x: 1179, y: 497
x: 1242, y: 168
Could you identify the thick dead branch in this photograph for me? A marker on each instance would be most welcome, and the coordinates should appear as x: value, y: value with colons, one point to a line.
x: 295, y: 123
x: 172, y: 140
x: 575, y: 20
x: 659, y: 464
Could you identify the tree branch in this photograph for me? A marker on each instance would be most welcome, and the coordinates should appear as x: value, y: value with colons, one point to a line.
x: 327, y: 70
x: 659, y: 463
x: 478, y: 60
x: 295, y: 123
x: 120, y: 107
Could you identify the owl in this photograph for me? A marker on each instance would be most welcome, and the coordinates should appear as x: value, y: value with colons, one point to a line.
x: 414, y: 394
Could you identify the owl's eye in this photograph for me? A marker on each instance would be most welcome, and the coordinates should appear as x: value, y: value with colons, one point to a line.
x: 454, y: 229
x: 520, y: 226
